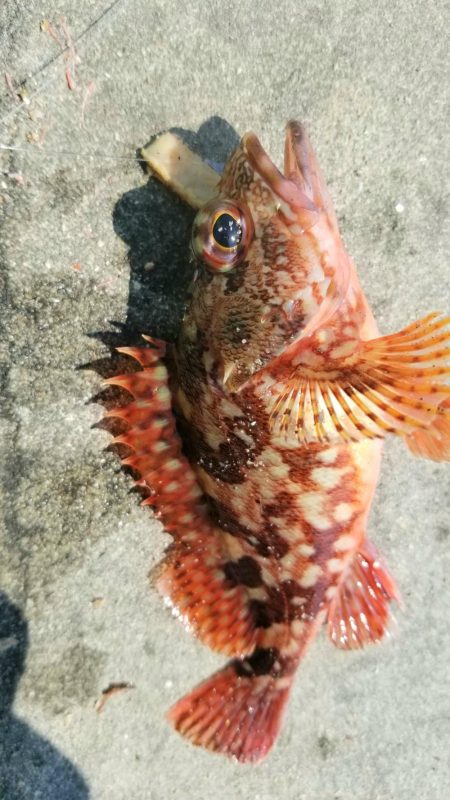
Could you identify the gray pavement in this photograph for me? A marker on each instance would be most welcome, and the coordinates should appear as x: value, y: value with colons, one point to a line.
x: 87, y: 240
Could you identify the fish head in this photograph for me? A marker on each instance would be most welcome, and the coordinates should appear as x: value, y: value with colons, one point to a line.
x: 273, y: 266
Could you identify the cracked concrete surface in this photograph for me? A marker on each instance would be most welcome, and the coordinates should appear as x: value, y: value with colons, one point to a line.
x: 92, y: 253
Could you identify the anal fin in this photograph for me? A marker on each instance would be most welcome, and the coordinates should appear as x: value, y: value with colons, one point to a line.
x: 359, y: 613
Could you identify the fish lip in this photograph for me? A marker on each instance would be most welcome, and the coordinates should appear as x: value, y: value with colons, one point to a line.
x: 295, y: 167
x: 282, y: 186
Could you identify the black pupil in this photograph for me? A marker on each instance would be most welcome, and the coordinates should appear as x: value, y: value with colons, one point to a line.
x: 226, y: 231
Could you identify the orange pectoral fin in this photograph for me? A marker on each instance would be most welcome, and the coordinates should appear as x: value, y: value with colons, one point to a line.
x: 434, y: 442
x: 359, y: 614
x: 388, y: 385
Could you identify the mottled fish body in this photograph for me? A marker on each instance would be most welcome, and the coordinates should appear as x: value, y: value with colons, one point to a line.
x: 259, y: 434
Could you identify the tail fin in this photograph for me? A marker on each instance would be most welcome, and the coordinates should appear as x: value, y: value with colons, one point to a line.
x: 234, y: 714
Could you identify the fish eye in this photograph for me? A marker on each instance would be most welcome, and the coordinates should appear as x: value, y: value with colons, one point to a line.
x: 221, y: 234
x: 227, y: 231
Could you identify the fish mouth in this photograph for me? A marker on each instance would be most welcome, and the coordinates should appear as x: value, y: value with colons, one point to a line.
x: 301, y: 188
x: 293, y: 189
x: 300, y: 163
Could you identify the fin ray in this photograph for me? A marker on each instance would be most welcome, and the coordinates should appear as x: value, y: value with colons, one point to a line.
x: 194, y: 584
x: 191, y: 578
x: 232, y: 714
x: 433, y: 443
x: 359, y: 614
x: 393, y: 384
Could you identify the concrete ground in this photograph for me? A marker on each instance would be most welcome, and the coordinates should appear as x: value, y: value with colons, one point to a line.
x: 92, y: 252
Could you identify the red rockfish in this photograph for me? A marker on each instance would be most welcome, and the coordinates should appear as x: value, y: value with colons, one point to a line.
x: 258, y: 435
